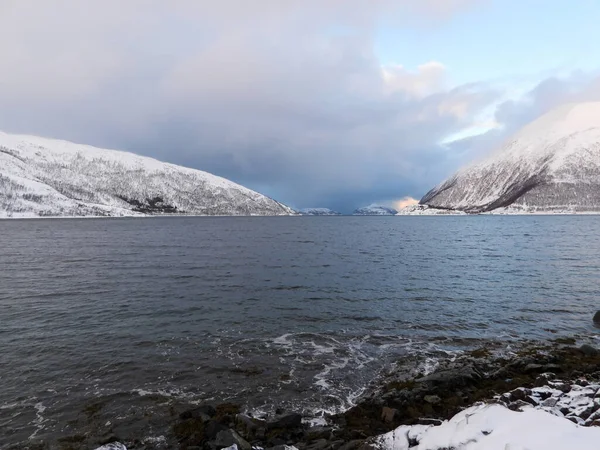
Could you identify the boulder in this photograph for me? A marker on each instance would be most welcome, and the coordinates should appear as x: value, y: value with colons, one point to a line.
x: 588, y: 350
x: 213, y: 428
x: 201, y: 412
x: 453, y: 378
x: 432, y: 399
x: 426, y: 421
x: 247, y: 424
x: 227, y: 438
x: 388, y: 414
x: 352, y: 445
x: 596, y: 318
x: 287, y: 421
x: 315, y: 433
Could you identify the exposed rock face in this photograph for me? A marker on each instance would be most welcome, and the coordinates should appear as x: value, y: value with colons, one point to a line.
x: 46, y: 177
x: 551, y: 165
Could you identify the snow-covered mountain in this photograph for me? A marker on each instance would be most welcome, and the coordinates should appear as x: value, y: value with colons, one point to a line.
x: 424, y: 210
x: 47, y: 177
x: 375, y: 210
x: 551, y: 165
x: 319, y: 212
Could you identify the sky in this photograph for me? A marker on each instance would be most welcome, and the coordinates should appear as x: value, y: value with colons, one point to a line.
x: 317, y: 103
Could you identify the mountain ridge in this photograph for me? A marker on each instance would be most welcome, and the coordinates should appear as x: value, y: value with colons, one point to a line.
x: 43, y: 177
x: 550, y: 165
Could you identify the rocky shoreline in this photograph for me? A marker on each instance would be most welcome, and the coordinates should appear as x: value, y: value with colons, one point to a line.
x: 557, y: 377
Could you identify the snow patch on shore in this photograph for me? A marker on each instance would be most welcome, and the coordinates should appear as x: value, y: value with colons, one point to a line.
x: 494, y: 427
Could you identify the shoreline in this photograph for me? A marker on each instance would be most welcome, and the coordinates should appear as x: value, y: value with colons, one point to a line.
x: 540, y: 376
x: 153, y: 216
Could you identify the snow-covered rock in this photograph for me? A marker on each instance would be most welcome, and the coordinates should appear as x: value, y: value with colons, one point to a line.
x: 551, y: 165
x: 494, y: 427
x: 319, y: 212
x: 375, y: 210
x: 47, y: 177
x: 113, y: 446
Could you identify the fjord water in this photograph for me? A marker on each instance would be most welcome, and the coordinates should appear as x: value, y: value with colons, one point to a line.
x: 113, y: 317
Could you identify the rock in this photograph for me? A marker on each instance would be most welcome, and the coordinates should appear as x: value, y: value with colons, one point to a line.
x: 564, y: 387
x: 315, y: 433
x: 321, y: 444
x: 432, y: 399
x: 543, y: 379
x: 532, y: 368
x: 565, y: 411
x: 550, y: 402
x: 519, y: 394
x: 388, y: 414
x: 197, y: 413
x: 505, y: 398
x: 352, y: 445
x: 531, y: 400
x: 588, y: 350
x: 248, y: 424
x: 582, y: 382
x: 213, y: 428
x: 425, y: 421
x: 541, y: 394
x: 453, y: 378
x: 288, y: 421
x: 576, y: 420
x: 227, y: 438
x: 518, y: 405
x: 390, y: 395
x: 596, y: 318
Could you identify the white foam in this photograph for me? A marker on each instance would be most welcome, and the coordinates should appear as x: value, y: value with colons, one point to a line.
x: 39, y: 419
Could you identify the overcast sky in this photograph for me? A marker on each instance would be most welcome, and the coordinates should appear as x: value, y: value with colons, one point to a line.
x: 317, y: 103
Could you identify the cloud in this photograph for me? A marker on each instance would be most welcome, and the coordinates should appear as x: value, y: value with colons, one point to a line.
x: 509, y: 116
x: 404, y: 202
x: 426, y: 80
x: 285, y: 97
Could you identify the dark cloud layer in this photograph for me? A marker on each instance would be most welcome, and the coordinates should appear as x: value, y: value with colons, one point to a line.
x: 285, y: 97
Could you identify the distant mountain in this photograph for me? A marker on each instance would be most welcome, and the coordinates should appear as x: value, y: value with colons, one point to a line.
x: 424, y: 210
x: 551, y: 165
x: 375, y: 210
x: 319, y: 212
x: 46, y: 177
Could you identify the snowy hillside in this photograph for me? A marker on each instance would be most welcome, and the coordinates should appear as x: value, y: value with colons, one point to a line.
x: 319, y: 212
x: 424, y: 210
x: 375, y: 210
x: 551, y: 165
x: 46, y: 177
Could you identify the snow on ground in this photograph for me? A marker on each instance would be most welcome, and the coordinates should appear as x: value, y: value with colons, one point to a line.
x: 495, y: 427
x: 557, y: 416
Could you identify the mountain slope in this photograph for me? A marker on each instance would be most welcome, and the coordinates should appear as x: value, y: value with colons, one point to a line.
x: 318, y: 212
x: 551, y: 165
x: 46, y: 177
x: 375, y: 210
